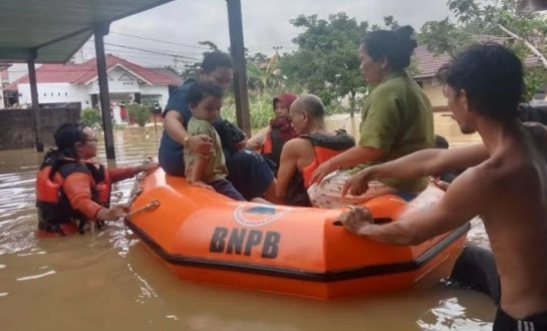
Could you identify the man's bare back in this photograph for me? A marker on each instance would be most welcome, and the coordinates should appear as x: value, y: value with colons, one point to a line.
x: 515, y: 218
x: 506, y: 182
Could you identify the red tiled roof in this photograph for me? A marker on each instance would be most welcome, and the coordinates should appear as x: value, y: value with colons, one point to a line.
x: 428, y: 63
x: 85, y: 72
x: 168, y: 72
x: 4, y: 75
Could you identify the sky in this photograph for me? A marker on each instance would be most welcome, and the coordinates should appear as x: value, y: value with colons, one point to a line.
x: 265, y: 23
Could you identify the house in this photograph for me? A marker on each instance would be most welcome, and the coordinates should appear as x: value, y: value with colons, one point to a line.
x: 429, y: 64
x: 4, y: 81
x: 77, y: 83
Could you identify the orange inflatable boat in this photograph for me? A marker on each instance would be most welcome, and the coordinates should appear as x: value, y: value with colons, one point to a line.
x: 206, y: 237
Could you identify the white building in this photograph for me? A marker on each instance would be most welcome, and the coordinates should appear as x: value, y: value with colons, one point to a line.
x: 61, y: 84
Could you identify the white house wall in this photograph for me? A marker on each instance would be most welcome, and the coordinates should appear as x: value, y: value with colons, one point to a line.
x: 161, y: 91
x: 2, y: 103
x: 56, y: 93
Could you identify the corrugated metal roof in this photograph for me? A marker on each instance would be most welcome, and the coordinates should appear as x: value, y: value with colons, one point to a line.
x: 57, y: 28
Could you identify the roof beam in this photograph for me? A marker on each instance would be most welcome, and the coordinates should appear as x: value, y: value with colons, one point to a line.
x: 18, y: 53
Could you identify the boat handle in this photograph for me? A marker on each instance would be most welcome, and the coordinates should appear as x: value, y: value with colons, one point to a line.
x: 378, y: 220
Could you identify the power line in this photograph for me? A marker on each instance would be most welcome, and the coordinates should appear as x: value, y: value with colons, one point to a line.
x: 129, y: 52
x: 152, y: 52
x: 159, y: 41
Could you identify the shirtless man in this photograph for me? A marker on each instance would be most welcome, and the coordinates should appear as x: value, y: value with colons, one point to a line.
x: 506, y: 183
x: 302, y: 155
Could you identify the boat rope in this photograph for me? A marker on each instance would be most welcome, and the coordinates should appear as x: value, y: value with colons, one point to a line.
x: 148, y: 207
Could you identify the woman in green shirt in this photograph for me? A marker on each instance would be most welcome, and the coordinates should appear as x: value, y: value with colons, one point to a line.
x: 397, y: 120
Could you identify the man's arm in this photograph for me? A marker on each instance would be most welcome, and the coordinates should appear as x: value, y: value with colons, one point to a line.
x: 462, y: 202
x: 77, y: 188
x: 352, y: 157
x: 431, y: 162
x: 288, y: 166
x: 356, y: 155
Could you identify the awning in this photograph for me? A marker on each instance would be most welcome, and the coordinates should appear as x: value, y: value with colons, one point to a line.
x: 53, y: 30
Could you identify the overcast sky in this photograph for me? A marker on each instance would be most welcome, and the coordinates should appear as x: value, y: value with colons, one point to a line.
x: 265, y: 23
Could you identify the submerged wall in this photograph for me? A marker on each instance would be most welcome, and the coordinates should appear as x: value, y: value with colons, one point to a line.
x: 17, y: 126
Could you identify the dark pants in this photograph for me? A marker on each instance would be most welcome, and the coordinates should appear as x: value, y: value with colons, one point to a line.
x: 226, y: 188
x: 504, y: 322
x: 476, y: 269
x: 248, y: 171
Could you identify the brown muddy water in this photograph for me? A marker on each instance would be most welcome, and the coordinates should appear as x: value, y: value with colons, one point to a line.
x: 108, y: 281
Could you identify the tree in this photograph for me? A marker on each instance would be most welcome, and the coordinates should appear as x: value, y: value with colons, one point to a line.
x: 263, y: 74
x: 327, y: 62
x: 192, y: 70
x: 500, y: 21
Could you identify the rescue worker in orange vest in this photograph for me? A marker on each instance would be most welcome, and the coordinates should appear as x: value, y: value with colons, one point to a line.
x: 71, y: 189
x: 271, y: 139
x: 302, y: 155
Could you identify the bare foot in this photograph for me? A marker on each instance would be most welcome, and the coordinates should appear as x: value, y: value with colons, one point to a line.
x: 356, y: 219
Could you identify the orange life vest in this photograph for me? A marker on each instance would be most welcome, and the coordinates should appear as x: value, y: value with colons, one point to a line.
x: 273, y: 145
x: 324, y: 148
x: 55, y: 214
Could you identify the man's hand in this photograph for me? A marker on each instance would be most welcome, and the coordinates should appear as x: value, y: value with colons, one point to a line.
x: 147, y: 167
x: 322, y: 171
x: 358, y: 184
x: 200, y: 144
x: 114, y: 213
x: 203, y: 185
x: 440, y: 183
x: 357, y: 220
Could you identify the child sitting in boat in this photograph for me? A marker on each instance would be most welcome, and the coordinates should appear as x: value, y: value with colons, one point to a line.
x: 208, y: 171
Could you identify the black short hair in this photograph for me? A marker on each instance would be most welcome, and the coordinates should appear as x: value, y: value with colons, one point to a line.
x: 441, y: 142
x: 215, y: 60
x: 200, y: 90
x: 67, y: 135
x: 396, y: 46
x: 491, y: 75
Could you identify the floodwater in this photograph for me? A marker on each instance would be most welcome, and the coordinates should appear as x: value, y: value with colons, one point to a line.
x: 109, y: 281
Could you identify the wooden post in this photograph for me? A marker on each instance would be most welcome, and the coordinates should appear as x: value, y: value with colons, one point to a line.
x: 240, y: 76
x: 101, y: 31
x: 35, y: 106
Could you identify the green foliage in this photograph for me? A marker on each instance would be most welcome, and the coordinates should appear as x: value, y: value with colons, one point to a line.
x: 141, y: 113
x: 92, y: 118
x: 327, y: 60
x: 489, y: 20
x: 263, y: 74
x: 261, y: 109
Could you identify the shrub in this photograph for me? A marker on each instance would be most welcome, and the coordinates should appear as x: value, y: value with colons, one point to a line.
x: 92, y: 118
x: 140, y: 113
